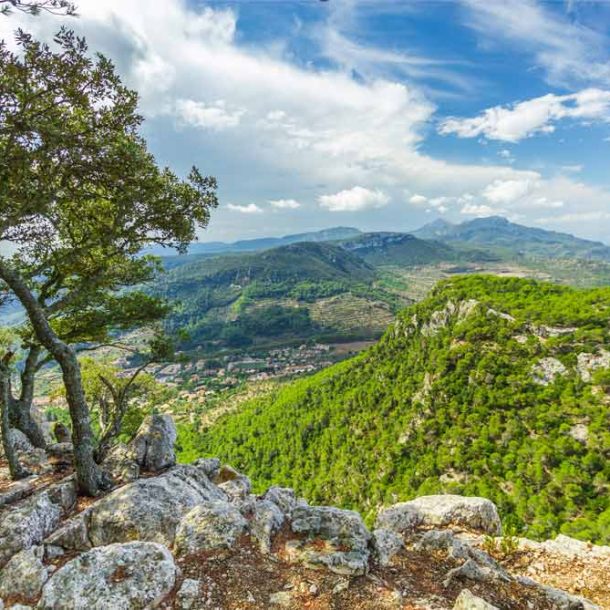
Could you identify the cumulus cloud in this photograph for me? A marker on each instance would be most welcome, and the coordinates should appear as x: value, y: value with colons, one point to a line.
x: 354, y: 200
x: 207, y: 116
x: 538, y: 115
x: 251, y: 208
x: 418, y: 200
x: 285, y: 204
x: 260, y: 117
x: 480, y: 210
x: 507, y: 191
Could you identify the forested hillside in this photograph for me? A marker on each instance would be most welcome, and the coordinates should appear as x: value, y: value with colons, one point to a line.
x: 492, y: 387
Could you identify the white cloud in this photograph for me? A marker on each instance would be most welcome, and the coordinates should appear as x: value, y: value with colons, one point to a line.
x: 285, y: 204
x: 354, y: 200
x: 418, y: 200
x: 213, y: 116
x: 507, y: 191
x: 264, y: 122
x: 524, y: 119
x: 570, y: 52
x: 251, y: 208
x: 472, y: 209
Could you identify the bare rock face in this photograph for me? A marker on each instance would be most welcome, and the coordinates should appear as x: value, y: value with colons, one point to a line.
x: 24, y: 575
x: 210, y: 525
x: 150, y: 509
x: 467, y: 601
x: 118, y: 576
x: 266, y: 518
x: 284, y: 498
x: 386, y: 544
x: 27, y: 524
x: 546, y: 370
x: 450, y: 511
x: 121, y: 464
x: 344, y: 536
x: 154, y: 442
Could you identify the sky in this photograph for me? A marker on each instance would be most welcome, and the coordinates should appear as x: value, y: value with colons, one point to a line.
x: 377, y: 114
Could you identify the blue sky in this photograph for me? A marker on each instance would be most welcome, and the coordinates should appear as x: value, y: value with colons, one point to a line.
x: 380, y: 114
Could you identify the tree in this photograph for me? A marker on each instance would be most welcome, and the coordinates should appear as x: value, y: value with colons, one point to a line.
x: 16, y: 470
x: 80, y: 197
x: 35, y: 7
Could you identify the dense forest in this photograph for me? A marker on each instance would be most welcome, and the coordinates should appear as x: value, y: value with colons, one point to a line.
x: 479, y: 390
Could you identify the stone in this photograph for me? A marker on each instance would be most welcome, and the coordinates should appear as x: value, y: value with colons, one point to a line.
x: 209, y: 466
x: 467, y: 601
x: 210, y: 525
x: 117, y: 576
x: 64, y: 493
x: 189, y: 594
x: 344, y: 537
x: 445, y: 511
x: 153, y: 444
x: 61, y: 454
x: 546, y: 370
x: 27, y: 524
x: 588, y: 363
x: 120, y: 463
x: 150, y: 509
x: 265, y: 520
x: 24, y: 575
x: 285, y: 498
x: 386, y: 544
x: 281, y: 598
x: 238, y: 488
x: 73, y: 535
x: 560, y: 600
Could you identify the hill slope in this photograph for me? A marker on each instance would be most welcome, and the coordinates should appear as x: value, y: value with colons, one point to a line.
x: 488, y: 387
x: 238, y: 299
x: 497, y: 232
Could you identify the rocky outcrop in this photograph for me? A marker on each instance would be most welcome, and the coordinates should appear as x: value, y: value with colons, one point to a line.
x: 546, y: 370
x: 344, y: 537
x: 150, y: 509
x: 118, y: 576
x: 195, y: 537
x: 153, y: 445
x: 210, y: 525
x: 448, y: 511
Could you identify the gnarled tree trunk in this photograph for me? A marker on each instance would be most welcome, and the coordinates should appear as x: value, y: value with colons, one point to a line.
x: 17, y: 471
x: 20, y: 409
x: 89, y: 475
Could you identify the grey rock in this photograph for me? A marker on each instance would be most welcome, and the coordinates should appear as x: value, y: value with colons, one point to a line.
x: 450, y: 511
x: 470, y: 570
x: 64, y: 493
x: 344, y: 533
x: 265, y: 521
x: 588, y: 363
x: 27, y: 524
x: 210, y: 525
x: 73, y: 535
x: 121, y: 464
x: 118, y: 576
x: 24, y: 575
x: 561, y: 600
x: 467, y: 601
x: 386, y: 544
x: 236, y: 485
x: 546, y: 370
x: 62, y: 433
x: 285, y: 498
x: 209, y: 466
x: 188, y: 595
x: 153, y: 444
x: 150, y: 509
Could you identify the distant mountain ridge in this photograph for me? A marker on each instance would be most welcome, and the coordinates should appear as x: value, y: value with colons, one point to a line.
x: 498, y: 232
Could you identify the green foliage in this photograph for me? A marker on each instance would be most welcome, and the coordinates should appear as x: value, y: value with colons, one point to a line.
x: 448, y: 407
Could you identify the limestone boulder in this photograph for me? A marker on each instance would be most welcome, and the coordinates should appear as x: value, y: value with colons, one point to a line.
x: 332, y: 538
x: 386, y: 545
x: 150, y: 509
x: 210, y: 525
x: 153, y: 445
x: 27, y: 524
x: 467, y: 601
x: 24, y: 575
x: 461, y: 513
x: 130, y: 576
